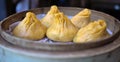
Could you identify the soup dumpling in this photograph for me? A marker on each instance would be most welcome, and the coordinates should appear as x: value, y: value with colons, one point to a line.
x: 93, y: 31
x: 82, y: 18
x: 30, y: 28
x: 62, y: 29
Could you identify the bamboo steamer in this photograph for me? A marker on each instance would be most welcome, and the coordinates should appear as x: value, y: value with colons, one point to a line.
x: 31, y: 51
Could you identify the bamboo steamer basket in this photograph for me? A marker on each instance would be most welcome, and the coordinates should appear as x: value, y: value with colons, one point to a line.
x: 31, y: 51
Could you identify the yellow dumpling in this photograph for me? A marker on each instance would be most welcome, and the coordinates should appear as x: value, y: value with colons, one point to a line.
x: 93, y: 31
x: 62, y: 29
x: 82, y: 18
x: 48, y: 19
x: 30, y: 28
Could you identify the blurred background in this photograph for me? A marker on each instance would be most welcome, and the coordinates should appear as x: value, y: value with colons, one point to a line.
x: 8, y: 7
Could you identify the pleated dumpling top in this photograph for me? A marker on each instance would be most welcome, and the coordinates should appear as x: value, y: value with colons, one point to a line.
x: 50, y: 16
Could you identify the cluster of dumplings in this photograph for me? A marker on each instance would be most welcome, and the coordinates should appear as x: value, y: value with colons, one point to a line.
x: 58, y: 27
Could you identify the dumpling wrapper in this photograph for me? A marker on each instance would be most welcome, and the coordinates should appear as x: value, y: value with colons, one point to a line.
x: 93, y: 31
x: 82, y: 18
x: 30, y: 28
x: 48, y: 19
x: 62, y: 29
